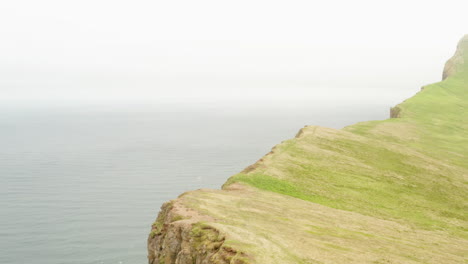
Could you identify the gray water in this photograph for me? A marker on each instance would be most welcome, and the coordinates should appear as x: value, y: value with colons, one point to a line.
x: 80, y: 185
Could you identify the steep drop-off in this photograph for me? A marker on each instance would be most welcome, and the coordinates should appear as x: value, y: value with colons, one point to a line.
x: 391, y: 191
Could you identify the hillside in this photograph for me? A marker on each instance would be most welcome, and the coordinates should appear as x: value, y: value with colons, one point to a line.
x: 391, y: 191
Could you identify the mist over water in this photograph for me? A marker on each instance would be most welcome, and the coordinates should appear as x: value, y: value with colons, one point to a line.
x: 87, y: 159
x: 84, y: 185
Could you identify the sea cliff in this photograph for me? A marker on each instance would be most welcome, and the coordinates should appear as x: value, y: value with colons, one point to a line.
x: 390, y: 191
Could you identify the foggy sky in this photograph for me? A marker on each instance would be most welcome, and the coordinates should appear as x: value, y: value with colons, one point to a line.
x: 239, y: 51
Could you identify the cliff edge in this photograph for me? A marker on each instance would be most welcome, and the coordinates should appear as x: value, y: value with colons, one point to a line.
x: 390, y: 191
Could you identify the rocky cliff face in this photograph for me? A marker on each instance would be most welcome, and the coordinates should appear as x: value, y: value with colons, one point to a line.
x: 180, y: 236
x: 389, y: 191
x: 459, y: 60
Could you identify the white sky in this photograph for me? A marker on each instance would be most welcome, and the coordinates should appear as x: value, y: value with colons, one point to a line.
x: 93, y: 51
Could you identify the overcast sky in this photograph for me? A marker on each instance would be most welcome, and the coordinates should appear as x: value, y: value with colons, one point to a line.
x: 93, y: 51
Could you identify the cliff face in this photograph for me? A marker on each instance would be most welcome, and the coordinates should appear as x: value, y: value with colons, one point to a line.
x: 458, y: 62
x: 391, y: 191
x: 180, y: 236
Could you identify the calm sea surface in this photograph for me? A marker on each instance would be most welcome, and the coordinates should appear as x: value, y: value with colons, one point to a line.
x: 84, y: 186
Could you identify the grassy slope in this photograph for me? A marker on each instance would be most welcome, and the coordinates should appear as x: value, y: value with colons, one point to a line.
x: 391, y: 191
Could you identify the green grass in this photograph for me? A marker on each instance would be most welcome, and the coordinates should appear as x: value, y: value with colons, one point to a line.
x: 419, y: 181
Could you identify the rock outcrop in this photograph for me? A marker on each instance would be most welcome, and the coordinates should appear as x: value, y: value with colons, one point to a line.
x: 458, y: 61
x: 181, y: 236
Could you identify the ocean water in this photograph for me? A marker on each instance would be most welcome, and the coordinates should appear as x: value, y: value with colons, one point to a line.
x: 83, y: 185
